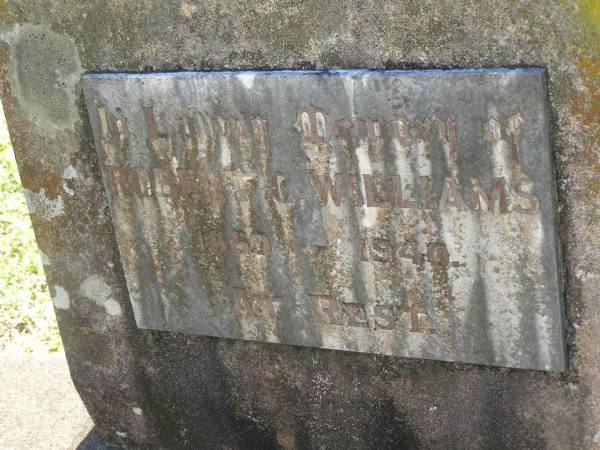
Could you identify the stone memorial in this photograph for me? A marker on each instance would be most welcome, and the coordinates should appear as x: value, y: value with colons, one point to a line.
x: 252, y: 244
x: 402, y: 213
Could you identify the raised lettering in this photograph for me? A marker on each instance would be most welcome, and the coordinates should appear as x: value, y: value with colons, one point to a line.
x: 496, y: 202
x: 384, y: 313
x: 450, y: 196
x: 325, y: 188
x: 330, y: 309
x: 356, y: 315
x: 375, y: 198
x: 400, y: 200
x: 527, y: 203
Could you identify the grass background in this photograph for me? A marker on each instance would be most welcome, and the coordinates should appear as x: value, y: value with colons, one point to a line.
x: 26, y: 315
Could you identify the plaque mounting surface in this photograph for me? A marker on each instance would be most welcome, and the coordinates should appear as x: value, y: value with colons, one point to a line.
x: 400, y: 213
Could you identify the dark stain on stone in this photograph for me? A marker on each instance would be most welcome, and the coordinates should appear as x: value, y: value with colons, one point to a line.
x: 200, y: 395
x: 389, y: 428
x: 87, y: 345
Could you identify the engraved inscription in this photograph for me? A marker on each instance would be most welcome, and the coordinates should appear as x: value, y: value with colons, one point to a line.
x: 318, y: 211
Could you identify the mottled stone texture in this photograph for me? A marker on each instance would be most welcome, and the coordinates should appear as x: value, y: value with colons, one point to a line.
x: 164, y: 390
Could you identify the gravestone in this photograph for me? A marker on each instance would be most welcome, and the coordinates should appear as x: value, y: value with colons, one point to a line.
x: 251, y: 244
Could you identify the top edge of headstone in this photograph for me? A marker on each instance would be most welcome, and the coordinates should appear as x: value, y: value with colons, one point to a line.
x: 321, y: 73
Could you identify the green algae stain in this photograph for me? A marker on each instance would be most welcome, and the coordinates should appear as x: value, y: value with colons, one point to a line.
x: 588, y: 18
x: 585, y: 18
x: 587, y: 57
x: 590, y: 13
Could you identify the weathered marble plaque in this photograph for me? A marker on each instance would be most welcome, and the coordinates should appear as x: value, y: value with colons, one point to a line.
x: 398, y: 213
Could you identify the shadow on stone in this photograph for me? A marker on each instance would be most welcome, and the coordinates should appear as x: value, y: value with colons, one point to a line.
x: 93, y: 441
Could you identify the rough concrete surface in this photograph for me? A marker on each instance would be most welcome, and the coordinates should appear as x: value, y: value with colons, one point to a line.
x: 40, y: 407
x: 149, y: 389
